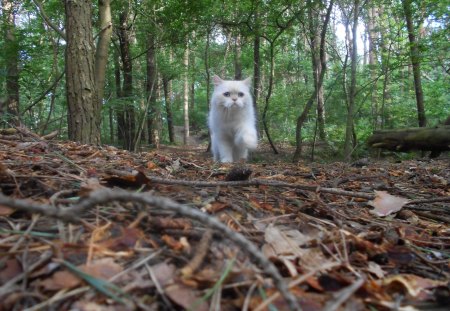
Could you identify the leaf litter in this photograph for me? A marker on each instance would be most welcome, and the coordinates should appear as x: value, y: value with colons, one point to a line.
x: 371, y: 237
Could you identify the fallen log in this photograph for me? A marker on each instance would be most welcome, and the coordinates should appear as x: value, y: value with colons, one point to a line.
x: 436, y: 139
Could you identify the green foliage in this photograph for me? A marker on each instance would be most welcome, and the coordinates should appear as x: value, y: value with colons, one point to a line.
x: 174, y: 23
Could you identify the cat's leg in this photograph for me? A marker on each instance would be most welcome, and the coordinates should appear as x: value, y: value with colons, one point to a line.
x: 246, y: 138
x: 240, y: 153
x: 214, y: 148
x: 225, y: 148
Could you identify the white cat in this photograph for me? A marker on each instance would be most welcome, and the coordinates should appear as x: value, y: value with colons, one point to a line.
x: 232, y: 120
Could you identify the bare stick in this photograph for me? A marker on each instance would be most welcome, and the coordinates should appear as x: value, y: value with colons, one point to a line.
x: 107, y: 195
x: 274, y: 183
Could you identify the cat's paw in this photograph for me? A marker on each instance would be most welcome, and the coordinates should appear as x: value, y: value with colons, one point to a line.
x: 249, y: 141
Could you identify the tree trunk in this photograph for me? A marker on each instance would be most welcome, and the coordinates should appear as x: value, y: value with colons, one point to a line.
x: 237, y: 58
x: 151, y: 86
x: 302, y: 118
x: 268, y: 95
x: 83, y: 123
x: 118, y: 86
x: 168, y: 105
x: 426, y: 139
x: 415, y: 61
x: 11, y: 54
x: 186, y: 95
x: 256, y: 62
x: 101, y: 54
x: 317, y: 69
x: 128, y: 118
x: 349, y: 141
x: 372, y: 35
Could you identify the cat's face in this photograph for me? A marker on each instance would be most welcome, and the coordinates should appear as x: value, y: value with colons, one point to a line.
x: 231, y: 94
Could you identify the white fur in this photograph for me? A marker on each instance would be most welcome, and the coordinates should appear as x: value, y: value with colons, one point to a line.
x: 232, y: 120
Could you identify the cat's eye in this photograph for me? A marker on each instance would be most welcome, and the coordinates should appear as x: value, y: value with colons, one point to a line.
x: 226, y: 94
x: 240, y: 94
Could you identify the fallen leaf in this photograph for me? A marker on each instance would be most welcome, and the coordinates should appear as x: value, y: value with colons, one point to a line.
x: 283, y: 242
x: 410, y: 284
x: 164, y: 273
x: 186, y: 297
x: 174, y: 244
x: 61, y: 280
x: 104, y: 268
x: 5, y: 210
x: 11, y: 269
x: 386, y: 204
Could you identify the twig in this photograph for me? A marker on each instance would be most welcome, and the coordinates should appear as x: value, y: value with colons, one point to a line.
x: 47, y: 20
x: 261, y: 182
x: 21, y: 239
x: 275, y: 183
x: 200, y: 254
x: 107, y: 195
x: 343, y: 295
x: 297, y: 282
x: 66, y: 215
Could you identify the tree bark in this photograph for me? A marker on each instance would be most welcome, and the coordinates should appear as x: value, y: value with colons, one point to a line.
x: 425, y: 139
x: 153, y: 123
x: 317, y: 69
x: 168, y: 105
x: 11, y: 54
x: 186, y: 95
x: 267, y: 99
x: 256, y: 61
x: 372, y: 35
x: 83, y: 123
x: 101, y: 54
x: 349, y: 141
x: 302, y: 118
x: 237, y: 58
x: 415, y: 61
x: 128, y: 129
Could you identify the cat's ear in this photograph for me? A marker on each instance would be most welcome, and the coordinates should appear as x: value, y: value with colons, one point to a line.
x: 217, y: 80
x: 248, y: 81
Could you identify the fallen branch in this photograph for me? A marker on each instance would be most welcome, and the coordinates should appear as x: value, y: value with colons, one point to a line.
x: 107, y: 195
x: 260, y: 182
x: 274, y: 183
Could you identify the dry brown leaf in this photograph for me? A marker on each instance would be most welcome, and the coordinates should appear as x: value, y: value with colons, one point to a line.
x: 409, y: 284
x: 11, y: 269
x: 386, y: 204
x: 282, y: 243
x: 104, y: 268
x: 90, y: 185
x: 164, y: 273
x: 186, y: 297
x: 61, y: 280
x: 173, y: 243
x: 6, y: 211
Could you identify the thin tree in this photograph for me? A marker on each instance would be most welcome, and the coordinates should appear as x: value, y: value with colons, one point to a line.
x: 101, y: 53
x: 186, y: 94
x: 127, y: 125
x: 322, y: 57
x: 349, y: 131
x: 11, y: 54
x: 415, y: 62
x: 153, y: 123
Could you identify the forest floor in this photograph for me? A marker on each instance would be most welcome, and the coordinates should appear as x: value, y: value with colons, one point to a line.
x: 99, y: 228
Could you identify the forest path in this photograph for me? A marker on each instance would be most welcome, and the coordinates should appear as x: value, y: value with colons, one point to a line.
x: 313, y: 221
